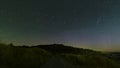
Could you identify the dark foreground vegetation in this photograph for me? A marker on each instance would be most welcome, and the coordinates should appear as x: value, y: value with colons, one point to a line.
x: 53, y: 56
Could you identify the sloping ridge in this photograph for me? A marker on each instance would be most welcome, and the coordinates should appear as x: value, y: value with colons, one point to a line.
x: 57, y: 62
x: 60, y: 48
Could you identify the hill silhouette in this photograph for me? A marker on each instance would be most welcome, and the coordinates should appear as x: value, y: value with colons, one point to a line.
x: 60, y: 48
x: 52, y: 56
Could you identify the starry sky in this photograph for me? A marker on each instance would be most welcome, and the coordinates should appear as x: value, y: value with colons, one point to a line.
x: 81, y: 23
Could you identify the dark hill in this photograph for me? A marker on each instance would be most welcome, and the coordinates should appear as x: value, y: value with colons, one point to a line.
x: 83, y: 58
x: 43, y: 56
x: 60, y: 48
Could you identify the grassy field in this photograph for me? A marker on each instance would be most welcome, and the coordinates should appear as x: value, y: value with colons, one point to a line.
x: 53, y: 56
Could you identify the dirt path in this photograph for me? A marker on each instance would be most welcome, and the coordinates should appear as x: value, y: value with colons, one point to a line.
x: 58, y: 62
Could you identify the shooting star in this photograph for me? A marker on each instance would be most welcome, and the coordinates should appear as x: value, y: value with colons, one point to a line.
x: 98, y: 21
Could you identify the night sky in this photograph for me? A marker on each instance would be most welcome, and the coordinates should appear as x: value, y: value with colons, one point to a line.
x: 81, y: 23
